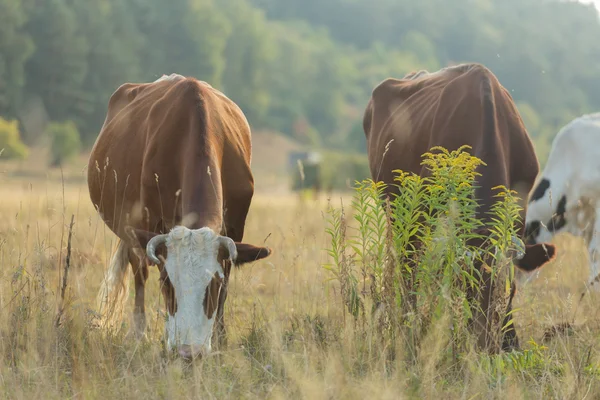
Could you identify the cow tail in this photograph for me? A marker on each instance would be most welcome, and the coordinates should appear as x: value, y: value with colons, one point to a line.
x: 113, y: 293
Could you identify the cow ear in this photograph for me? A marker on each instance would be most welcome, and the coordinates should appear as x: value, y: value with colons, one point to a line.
x: 536, y: 256
x: 248, y: 253
x: 139, y: 235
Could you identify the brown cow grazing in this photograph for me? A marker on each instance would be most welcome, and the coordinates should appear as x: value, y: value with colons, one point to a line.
x: 170, y: 172
x: 460, y: 105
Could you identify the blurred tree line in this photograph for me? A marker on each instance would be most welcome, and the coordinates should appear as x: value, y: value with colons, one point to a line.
x: 304, y: 68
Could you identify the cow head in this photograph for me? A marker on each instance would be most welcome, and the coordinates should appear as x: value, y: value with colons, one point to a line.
x: 527, y: 257
x: 192, y: 275
x: 544, y: 219
x: 552, y: 211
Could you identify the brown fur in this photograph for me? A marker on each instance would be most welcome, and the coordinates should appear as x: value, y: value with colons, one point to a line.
x: 460, y: 105
x: 211, y: 296
x: 173, y: 152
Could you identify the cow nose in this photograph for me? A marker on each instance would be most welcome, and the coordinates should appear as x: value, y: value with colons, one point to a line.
x: 190, y: 351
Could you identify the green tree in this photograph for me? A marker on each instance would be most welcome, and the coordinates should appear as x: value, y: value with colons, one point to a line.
x: 309, y: 78
x: 65, y: 142
x: 186, y: 37
x: 250, y: 47
x: 11, y: 145
x: 16, y: 47
x: 113, y: 56
x: 285, y: 61
x: 542, y: 51
x: 58, y: 67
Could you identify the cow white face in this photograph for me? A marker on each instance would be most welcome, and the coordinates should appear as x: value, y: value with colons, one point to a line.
x: 193, y: 276
x: 196, y: 275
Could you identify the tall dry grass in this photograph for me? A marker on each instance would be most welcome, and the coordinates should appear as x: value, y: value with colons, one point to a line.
x: 288, y: 336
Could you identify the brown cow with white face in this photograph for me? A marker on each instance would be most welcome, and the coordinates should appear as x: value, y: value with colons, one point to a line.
x: 460, y: 105
x: 170, y: 173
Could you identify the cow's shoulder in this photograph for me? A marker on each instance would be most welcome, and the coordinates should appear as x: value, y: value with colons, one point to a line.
x: 390, y: 88
x: 124, y: 94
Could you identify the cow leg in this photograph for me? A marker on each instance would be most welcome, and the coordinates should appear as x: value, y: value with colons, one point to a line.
x: 481, y: 322
x: 510, y: 340
x: 485, y: 318
x: 140, y: 272
x: 489, y: 334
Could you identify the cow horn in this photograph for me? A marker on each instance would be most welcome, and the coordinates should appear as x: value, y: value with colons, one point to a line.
x: 227, y: 242
x: 152, y: 245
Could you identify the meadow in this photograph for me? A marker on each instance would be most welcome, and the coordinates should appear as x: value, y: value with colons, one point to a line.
x: 288, y: 334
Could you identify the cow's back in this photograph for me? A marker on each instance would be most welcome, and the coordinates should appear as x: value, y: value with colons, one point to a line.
x: 156, y: 137
x: 456, y: 106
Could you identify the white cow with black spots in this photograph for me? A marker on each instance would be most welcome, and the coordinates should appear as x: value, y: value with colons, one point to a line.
x: 566, y: 197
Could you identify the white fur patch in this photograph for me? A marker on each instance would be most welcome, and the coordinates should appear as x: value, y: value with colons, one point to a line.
x: 191, y: 264
x: 171, y: 77
x: 573, y: 170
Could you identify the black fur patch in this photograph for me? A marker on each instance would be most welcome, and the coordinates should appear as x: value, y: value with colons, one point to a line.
x: 540, y: 190
x: 532, y: 231
x: 562, y: 205
x: 558, y: 220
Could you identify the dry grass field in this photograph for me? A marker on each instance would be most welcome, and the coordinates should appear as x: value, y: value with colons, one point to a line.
x: 287, y: 334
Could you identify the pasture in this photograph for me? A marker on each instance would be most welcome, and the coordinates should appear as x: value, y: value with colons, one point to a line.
x: 287, y: 334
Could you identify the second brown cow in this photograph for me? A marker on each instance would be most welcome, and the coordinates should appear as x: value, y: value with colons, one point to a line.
x: 456, y: 106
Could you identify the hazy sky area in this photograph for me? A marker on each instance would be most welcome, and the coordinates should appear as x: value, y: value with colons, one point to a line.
x: 596, y: 2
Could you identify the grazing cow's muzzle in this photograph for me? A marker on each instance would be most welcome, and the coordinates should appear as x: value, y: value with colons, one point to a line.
x: 191, y: 351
